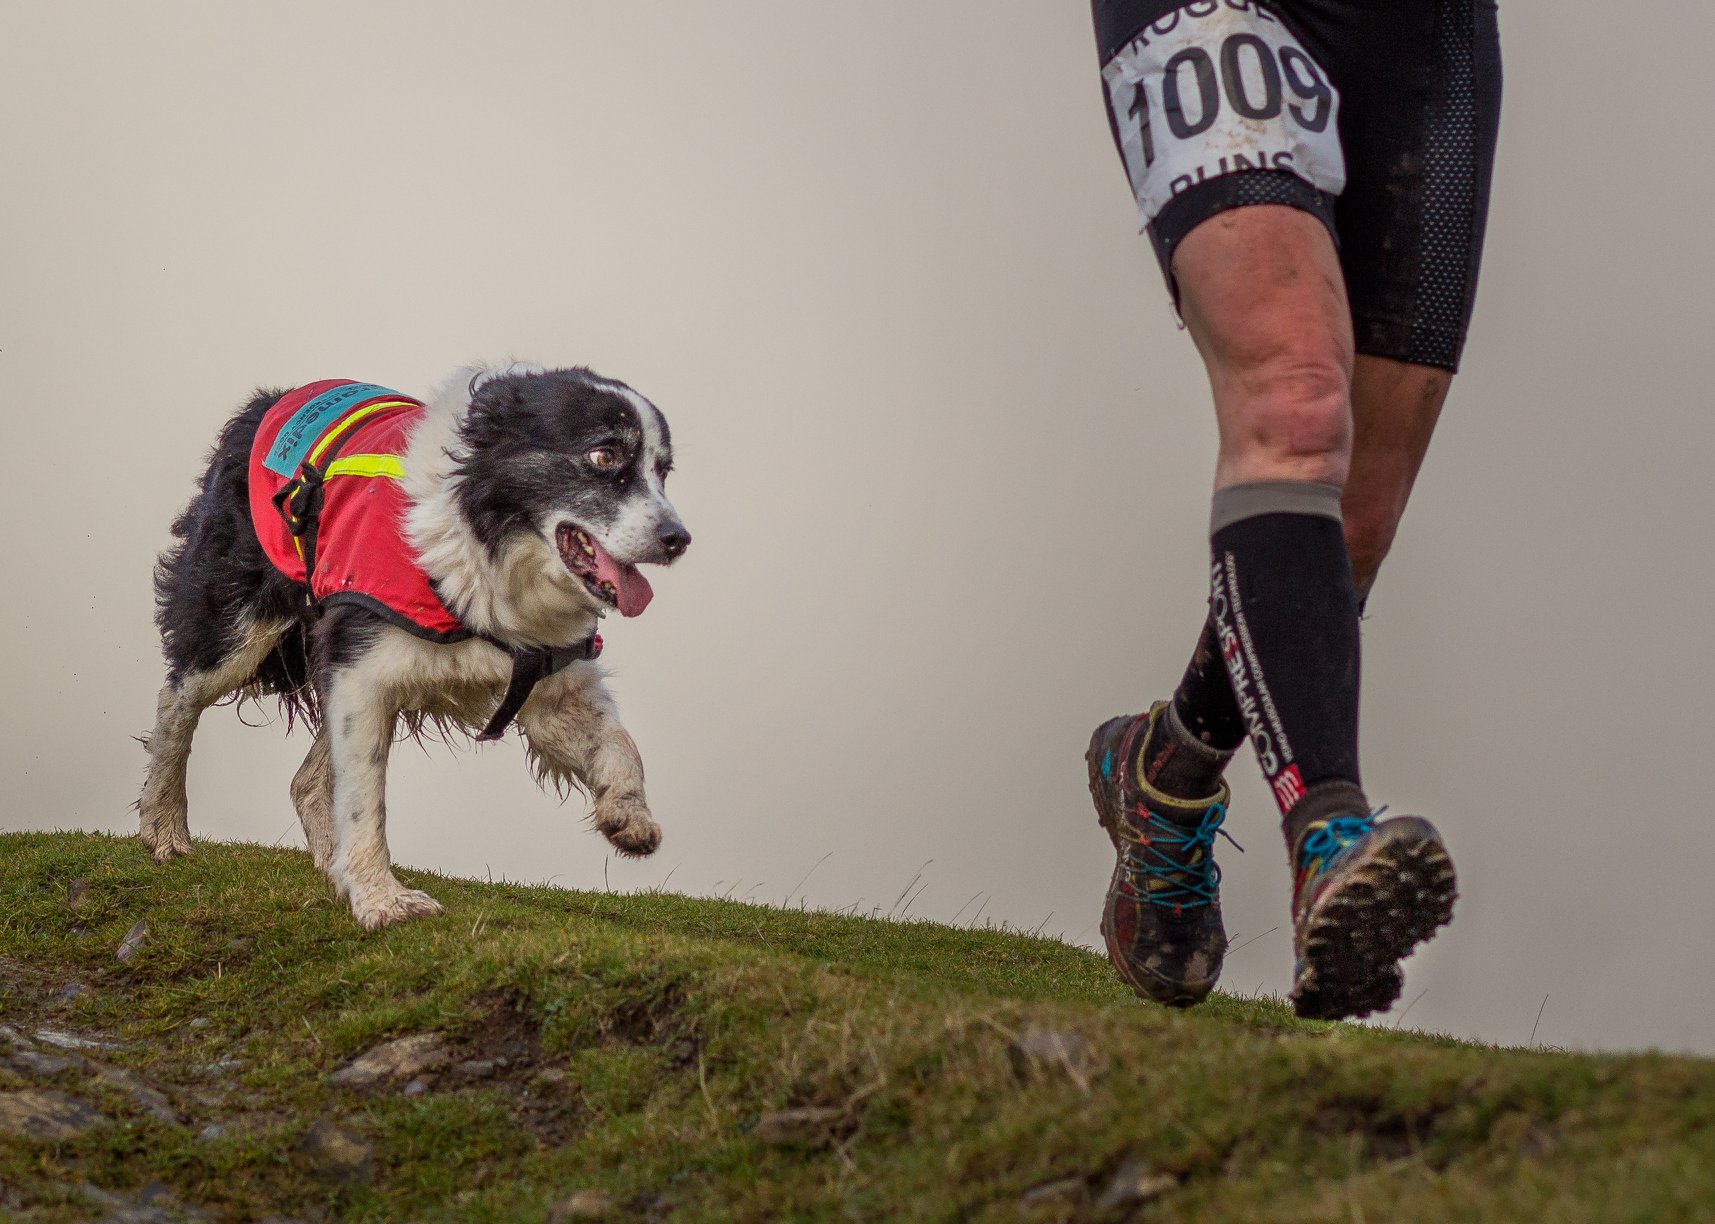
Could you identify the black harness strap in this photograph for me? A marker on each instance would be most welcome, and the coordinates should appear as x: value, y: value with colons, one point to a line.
x: 299, y: 502
x: 530, y: 666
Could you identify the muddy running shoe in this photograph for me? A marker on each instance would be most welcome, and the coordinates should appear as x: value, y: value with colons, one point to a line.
x: 1162, y: 919
x: 1366, y: 893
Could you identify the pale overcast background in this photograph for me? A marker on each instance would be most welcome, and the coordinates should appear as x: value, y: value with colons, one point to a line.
x: 878, y: 264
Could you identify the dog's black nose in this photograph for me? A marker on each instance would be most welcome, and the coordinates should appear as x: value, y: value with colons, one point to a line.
x: 675, y: 539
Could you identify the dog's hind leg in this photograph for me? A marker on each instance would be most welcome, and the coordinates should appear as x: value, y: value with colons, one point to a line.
x: 358, y: 720
x: 164, y: 825
x: 312, y: 796
x: 574, y: 735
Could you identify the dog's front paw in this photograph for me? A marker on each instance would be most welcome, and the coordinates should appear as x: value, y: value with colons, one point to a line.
x: 166, y: 839
x: 373, y: 913
x: 628, y: 825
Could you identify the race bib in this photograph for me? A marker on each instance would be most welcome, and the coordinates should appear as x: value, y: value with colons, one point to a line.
x: 1217, y: 86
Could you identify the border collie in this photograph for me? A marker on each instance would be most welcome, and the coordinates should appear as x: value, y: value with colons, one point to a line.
x: 525, y: 499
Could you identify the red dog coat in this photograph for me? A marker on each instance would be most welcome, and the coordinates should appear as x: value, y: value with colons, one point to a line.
x: 342, y: 444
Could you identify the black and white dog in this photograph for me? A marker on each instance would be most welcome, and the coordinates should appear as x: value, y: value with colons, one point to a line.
x: 527, y: 497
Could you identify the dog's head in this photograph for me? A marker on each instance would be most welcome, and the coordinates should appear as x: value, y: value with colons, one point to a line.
x: 578, y: 462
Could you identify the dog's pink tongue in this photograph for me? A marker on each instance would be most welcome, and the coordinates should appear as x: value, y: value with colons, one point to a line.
x: 634, y: 589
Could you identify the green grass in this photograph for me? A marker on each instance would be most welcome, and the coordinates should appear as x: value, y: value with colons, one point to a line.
x: 647, y: 1036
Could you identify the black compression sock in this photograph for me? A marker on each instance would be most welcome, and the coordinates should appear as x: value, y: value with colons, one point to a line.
x: 1204, y: 699
x: 1286, y: 618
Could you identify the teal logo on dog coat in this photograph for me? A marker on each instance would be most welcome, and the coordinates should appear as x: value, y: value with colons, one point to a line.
x: 298, y: 435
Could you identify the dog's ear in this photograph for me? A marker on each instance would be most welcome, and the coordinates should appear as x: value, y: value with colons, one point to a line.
x: 483, y: 376
x: 484, y: 424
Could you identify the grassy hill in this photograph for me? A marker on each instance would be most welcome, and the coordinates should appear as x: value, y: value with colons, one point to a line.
x: 582, y: 1056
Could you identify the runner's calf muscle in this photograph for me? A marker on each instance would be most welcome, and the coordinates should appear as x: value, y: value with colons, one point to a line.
x: 1395, y: 407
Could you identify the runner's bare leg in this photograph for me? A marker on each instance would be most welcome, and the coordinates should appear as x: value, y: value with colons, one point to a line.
x: 1395, y: 406
x: 1263, y: 297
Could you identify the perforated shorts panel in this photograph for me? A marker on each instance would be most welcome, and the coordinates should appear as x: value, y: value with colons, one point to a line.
x: 1420, y: 93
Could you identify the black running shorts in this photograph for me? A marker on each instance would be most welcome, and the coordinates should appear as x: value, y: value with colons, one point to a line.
x: 1378, y: 116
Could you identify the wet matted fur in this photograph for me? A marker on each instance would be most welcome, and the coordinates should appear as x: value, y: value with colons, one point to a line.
x: 510, y: 475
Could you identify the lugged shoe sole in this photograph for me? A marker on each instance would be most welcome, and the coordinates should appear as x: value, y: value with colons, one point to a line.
x: 1395, y: 893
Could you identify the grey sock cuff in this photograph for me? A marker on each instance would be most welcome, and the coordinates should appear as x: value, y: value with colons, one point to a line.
x: 1235, y: 503
x: 1185, y: 738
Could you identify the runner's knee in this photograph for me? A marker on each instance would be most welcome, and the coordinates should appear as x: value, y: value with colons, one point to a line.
x: 1286, y: 414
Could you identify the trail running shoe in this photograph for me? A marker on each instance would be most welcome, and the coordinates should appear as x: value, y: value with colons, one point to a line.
x: 1162, y: 919
x: 1366, y: 893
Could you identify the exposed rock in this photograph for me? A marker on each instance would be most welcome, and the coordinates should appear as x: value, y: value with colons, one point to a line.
x: 118, y: 1209
x: 71, y: 992
x: 13, y: 1037
x: 584, y: 1205
x: 76, y: 893
x: 201, y: 1022
x: 1062, y: 1191
x: 62, y: 1040
x: 809, y: 1125
x: 416, y: 1087
x: 242, y: 1124
x: 1135, y: 1184
x: 150, y: 1099
x: 401, y: 1058
x: 133, y: 942
x: 334, y: 1156
x: 477, y: 1068
x: 40, y: 1114
x: 222, y: 1066
x: 154, y: 1204
x: 34, y: 1062
x: 1042, y: 1050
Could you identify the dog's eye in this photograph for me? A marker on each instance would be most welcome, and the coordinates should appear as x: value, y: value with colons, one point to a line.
x: 604, y: 457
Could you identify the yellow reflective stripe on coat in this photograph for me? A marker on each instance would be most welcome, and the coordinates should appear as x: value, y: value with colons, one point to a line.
x: 367, y: 465
x: 348, y: 421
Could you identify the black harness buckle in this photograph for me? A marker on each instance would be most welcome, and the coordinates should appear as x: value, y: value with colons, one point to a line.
x: 299, y: 502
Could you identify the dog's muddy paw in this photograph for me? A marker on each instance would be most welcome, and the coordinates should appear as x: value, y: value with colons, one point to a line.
x: 401, y: 906
x: 626, y: 823
x: 169, y: 851
x: 165, y: 845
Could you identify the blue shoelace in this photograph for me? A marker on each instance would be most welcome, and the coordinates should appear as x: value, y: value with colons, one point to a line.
x: 1336, y: 837
x: 1165, y: 848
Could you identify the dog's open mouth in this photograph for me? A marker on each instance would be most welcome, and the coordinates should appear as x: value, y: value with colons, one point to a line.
x: 617, y: 586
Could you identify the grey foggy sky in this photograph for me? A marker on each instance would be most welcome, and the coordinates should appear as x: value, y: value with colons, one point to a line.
x: 878, y: 265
